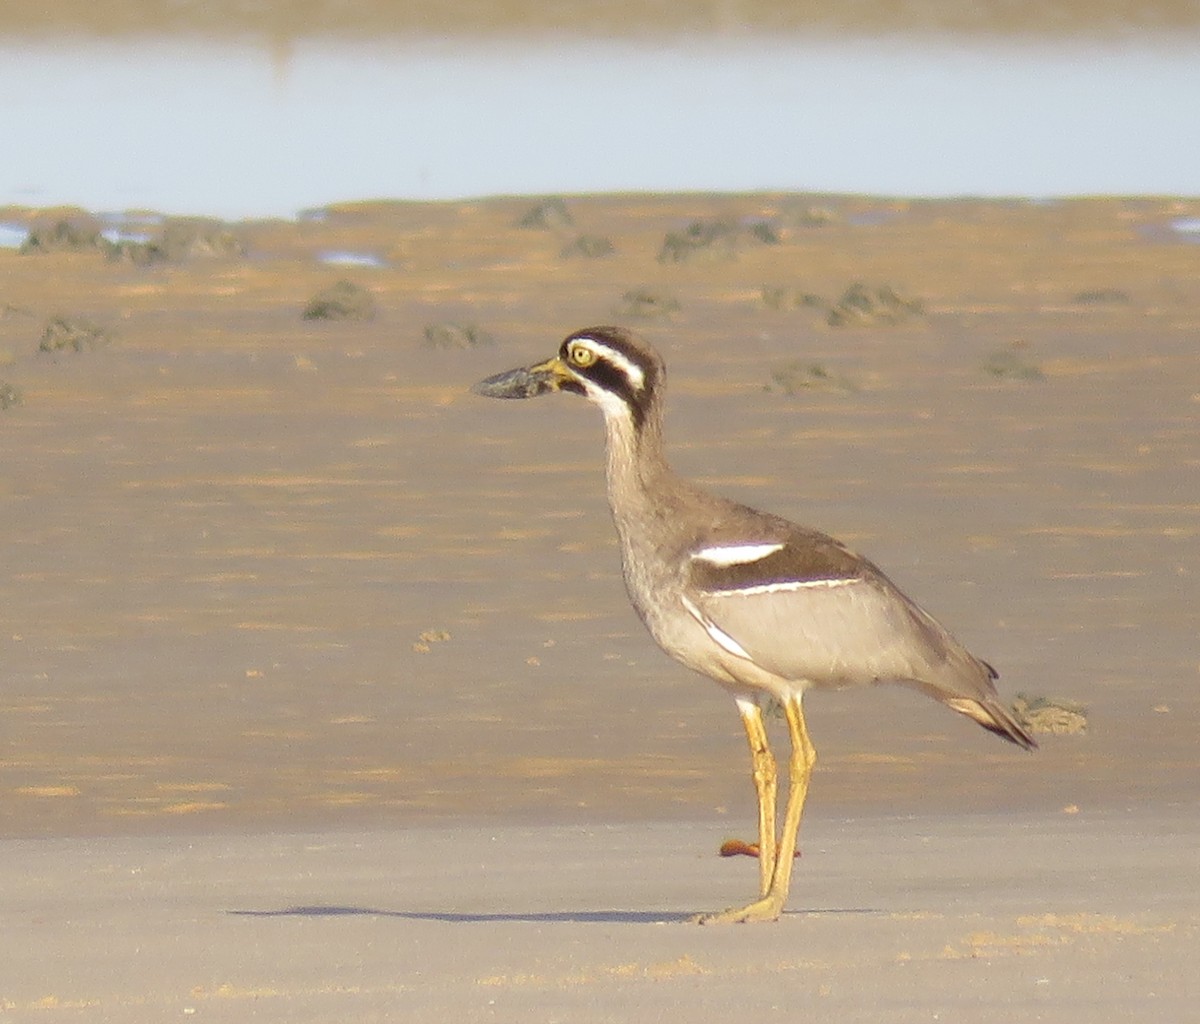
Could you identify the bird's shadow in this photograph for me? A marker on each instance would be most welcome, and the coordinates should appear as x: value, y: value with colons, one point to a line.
x: 549, y: 917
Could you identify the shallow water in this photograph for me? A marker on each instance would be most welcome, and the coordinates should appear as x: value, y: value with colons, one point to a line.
x: 238, y: 129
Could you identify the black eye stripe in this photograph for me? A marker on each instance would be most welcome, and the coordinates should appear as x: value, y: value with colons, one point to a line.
x: 615, y: 381
x: 610, y: 377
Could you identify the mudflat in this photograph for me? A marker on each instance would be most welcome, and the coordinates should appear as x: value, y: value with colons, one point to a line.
x: 268, y: 576
x: 265, y: 570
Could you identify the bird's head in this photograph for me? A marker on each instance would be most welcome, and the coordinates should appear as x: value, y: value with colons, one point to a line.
x: 607, y: 365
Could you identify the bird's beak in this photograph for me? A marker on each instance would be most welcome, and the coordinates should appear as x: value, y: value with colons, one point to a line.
x: 525, y: 381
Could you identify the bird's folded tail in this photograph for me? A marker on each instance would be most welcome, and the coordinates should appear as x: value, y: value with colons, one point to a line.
x: 994, y: 717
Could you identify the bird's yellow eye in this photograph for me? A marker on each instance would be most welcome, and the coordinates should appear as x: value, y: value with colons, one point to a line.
x: 581, y: 355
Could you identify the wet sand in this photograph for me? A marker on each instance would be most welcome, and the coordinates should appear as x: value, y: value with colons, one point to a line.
x: 370, y: 19
x: 267, y: 571
x: 267, y: 575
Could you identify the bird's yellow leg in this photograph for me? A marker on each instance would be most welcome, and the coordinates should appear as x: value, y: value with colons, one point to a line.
x: 762, y: 762
x: 803, y: 756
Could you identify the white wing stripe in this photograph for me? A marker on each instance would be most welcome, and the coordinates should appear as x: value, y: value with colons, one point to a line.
x: 783, y: 587
x: 736, y: 554
x: 719, y: 635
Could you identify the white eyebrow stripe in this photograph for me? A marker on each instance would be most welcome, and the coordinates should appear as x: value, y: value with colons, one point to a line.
x: 783, y: 587
x: 636, y: 375
x: 719, y: 635
x: 736, y: 554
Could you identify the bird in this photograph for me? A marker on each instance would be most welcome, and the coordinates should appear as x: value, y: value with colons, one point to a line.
x: 765, y: 607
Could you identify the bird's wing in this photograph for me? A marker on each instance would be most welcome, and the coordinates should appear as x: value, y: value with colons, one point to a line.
x: 805, y: 608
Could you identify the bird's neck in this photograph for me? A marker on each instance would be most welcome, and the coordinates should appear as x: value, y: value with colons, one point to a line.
x: 648, y: 503
x: 634, y: 449
x: 637, y: 468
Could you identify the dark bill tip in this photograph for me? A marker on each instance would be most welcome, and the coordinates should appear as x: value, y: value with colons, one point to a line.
x: 520, y: 383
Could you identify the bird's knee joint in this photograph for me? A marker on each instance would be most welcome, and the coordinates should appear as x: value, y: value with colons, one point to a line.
x: 764, y: 776
x: 801, y: 771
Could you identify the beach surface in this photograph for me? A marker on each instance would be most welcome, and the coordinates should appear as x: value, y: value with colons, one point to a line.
x: 322, y: 698
x: 968, y: 918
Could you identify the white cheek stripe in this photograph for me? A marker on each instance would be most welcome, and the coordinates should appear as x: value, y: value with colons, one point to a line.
x: 783, y: 587
x: 735, y: 554
x: 719, y: 635
x: 636, y: 375
x: 613, y: 405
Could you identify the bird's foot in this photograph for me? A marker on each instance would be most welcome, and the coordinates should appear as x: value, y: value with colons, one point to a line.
x: 766, y: 909
x: 740, y: 848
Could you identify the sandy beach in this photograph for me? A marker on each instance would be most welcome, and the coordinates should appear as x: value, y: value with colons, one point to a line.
x: 970, y: 918
x: 322, y: 699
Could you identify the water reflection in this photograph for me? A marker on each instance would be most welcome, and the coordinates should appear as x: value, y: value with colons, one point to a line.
x: 1188, y: 227
x: 345, y: 258
x: 220, y: 129
x: 12, y: 236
